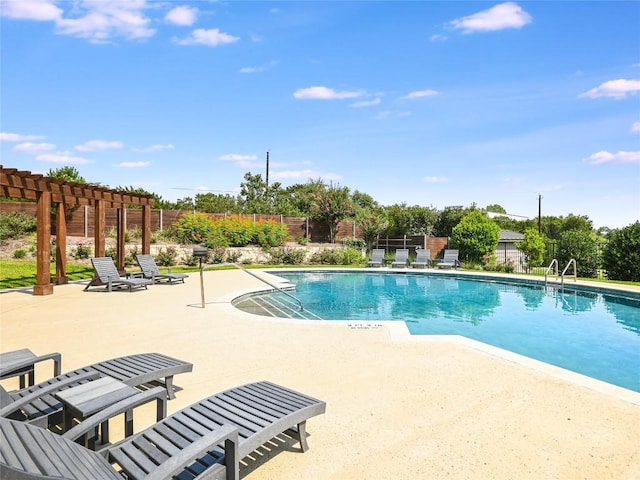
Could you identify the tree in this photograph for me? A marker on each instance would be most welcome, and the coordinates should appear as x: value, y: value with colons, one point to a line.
x: 331, y: 204
x: 583, y: 248
x: 68, y: 174
x: 216, y: 203
x: 256, y: 196
x: 495, y: 208
x: 533, y: 246
x: 621, y: 255
x: 475, y: 236
x: 372, y: 223
x: 447, y: 219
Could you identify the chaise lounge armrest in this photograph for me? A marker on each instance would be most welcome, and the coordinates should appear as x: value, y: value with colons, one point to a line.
x: 122, y: 406
x: 178, y: 460
x: 13, y: 367
x: 18, y: 403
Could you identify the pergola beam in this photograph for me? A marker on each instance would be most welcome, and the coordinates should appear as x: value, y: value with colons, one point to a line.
x: 48, y: 190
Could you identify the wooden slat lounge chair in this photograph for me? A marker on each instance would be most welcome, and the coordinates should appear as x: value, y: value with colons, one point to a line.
x: 450, y: 259
x: 402, y: 258
x: 377, y: 258
x: 37, y: 404
x: 107, y: 275
x: 150, y: 270
x: 28, y: 452
x: 423, y: 258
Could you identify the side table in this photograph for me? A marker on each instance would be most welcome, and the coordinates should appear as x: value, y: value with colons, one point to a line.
x: 90, y: 398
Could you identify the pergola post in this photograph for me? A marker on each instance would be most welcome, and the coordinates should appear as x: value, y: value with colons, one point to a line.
x: 99, y: 228
x: 43, y: 245
x: 61, y: 246
x: 146, y: 229
x: 121, y: 229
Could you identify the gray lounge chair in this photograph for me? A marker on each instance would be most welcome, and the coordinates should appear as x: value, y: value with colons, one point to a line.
x: 150, y: 270
x: 107, y: 275
x: 37, y: 404
x: 28, y: 452
x: 402, y: 258
x: 423, y: 258
x: 377, y: 258
x: 246, y: 417
x: 450, y: 259
x: 21, y: 363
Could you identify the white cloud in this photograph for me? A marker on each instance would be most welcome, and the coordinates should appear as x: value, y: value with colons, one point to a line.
x: 100, y: 21
x: 209, y: 38
x: 499, y: 17
x: 324, y: 93
x: 153, y: 148
x: 609, y: 157
x: 240, y: 160
x: 61, y: 157
x: 183, y: 15
x: 16, y: 137
x: 421, y: 94
x: 614, y: 89
x: 437, y: 37
x: 39, y: 10
x: 133, y: 164
x: 261, y: 68
x: 635, y: 128
x: 436, y: 179
x: 389, y: 114
x: 34, y: 148
x: 234, y: 157
x: 97, y: 145
x: 366, y: 103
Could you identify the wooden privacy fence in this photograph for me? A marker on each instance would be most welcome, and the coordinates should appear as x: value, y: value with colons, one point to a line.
x: 80, y: 221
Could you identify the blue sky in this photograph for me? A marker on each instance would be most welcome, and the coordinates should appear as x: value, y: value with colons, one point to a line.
x: 428, y: 103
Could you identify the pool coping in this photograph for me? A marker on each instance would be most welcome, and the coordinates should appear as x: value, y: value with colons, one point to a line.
x: 398, y: 332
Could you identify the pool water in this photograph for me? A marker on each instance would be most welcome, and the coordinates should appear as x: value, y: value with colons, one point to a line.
x: 593, y: 333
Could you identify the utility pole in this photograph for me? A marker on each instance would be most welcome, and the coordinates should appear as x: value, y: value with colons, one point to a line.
x: 539, y: 214
x: 267, y: 169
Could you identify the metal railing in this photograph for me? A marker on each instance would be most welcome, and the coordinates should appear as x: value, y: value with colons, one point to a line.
x: 553, y: 265
x: 574, y: 274
x: 279, y: 289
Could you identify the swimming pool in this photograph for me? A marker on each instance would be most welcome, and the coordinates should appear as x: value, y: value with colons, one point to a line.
x: 592, y: 332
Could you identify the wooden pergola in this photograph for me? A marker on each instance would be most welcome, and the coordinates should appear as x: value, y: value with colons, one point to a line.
x: 46, y: 191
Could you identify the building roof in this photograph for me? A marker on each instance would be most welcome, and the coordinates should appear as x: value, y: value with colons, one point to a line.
x: 510, y: 236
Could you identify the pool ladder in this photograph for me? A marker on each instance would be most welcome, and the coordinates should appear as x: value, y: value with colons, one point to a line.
x: 553, y: 267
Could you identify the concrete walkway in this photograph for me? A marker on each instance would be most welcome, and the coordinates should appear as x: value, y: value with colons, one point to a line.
x: 397, y: 407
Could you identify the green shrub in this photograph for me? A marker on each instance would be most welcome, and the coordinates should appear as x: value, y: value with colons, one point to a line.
x: 621, y: 255
x: 217, y: 255
x: 193, y: 228
x: 324, y: 257
x: 303, y: 241
x: 81, y: 252
x: 130, y: 256
x: 286, y: 256
x: 350, y: 256
x: 582, y: 247
x: 16, y: 225
x: 354, y: 243
x: 111, y: 252
x: 19, y: 253
x: 233, y: 256
x: 475, y: 236
x: 534, y: 247
x: 166, y: 257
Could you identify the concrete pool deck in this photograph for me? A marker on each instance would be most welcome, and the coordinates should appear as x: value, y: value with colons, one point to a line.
x: 397, y: 407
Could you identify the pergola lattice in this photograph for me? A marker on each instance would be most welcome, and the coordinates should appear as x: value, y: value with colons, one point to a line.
x: 46, y: 191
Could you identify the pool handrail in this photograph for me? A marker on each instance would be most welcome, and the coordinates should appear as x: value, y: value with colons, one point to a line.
x: 575, y: 271
x: 554, y: 263
x: 279, y: 289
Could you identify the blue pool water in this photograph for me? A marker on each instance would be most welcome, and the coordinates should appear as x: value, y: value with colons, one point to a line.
x: 589, y: 332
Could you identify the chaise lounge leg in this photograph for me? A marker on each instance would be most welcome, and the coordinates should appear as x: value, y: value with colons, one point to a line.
x: 168, y: 382
x: 301, y: 433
